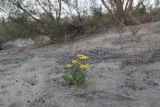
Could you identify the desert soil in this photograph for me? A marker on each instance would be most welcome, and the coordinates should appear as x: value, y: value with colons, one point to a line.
x: 125, y: 72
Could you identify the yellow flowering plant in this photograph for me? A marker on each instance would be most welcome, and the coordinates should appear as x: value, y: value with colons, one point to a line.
x: 84, y: 66
x: 82, y: 57
x: 75, y: 62
x: 76, y: 70
x: 69, y: 65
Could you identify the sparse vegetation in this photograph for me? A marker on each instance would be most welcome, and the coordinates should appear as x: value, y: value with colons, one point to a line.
x: 26, y: 19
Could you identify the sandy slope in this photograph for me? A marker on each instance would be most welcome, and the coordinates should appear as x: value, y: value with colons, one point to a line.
x: 128, y: 75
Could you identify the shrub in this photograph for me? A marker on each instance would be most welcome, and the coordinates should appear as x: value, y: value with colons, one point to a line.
x: 98, y: 21
x: 17, y: 28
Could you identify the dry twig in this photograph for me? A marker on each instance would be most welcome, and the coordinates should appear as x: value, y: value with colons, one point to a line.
x: 101, y: 91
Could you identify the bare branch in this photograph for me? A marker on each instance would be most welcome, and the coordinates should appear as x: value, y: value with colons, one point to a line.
x: 106, y: 6
x: 41, y: 5
x: 18, y: 5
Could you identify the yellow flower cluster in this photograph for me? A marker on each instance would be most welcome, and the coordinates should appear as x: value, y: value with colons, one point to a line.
x: 82, y: 57
x: 69, y: 65
x: 80, y: 65
x: 75, y: 62
x: 84, y: 66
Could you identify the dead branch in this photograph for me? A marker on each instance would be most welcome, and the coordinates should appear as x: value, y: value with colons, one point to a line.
x: 100, y: 91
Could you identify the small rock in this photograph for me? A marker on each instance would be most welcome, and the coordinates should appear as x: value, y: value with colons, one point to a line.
x: 32, y: 80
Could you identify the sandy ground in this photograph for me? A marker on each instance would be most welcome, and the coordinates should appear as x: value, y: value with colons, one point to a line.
x: 127, y: 73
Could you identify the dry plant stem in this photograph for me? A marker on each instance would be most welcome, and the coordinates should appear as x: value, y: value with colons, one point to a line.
x: 94, y: 54
x: 101, y: 91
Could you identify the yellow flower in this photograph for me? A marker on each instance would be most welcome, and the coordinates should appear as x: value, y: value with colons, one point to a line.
x: 82, y: 57
x: 79, y: 55
x: 75, y: 62
x: 69, y: 65
x: 74, y: 51
x: 84, y: 66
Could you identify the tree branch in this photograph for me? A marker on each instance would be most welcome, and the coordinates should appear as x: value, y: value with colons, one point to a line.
x: 18, y: 5
x: 106, y: 6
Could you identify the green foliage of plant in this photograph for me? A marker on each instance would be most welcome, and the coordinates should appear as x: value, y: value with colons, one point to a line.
x: 75, y: 78
x: 76, y: 71
x: 17, y: 28
x: 98, y: 19
x: 58, y: 30
x: 97, y: 16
